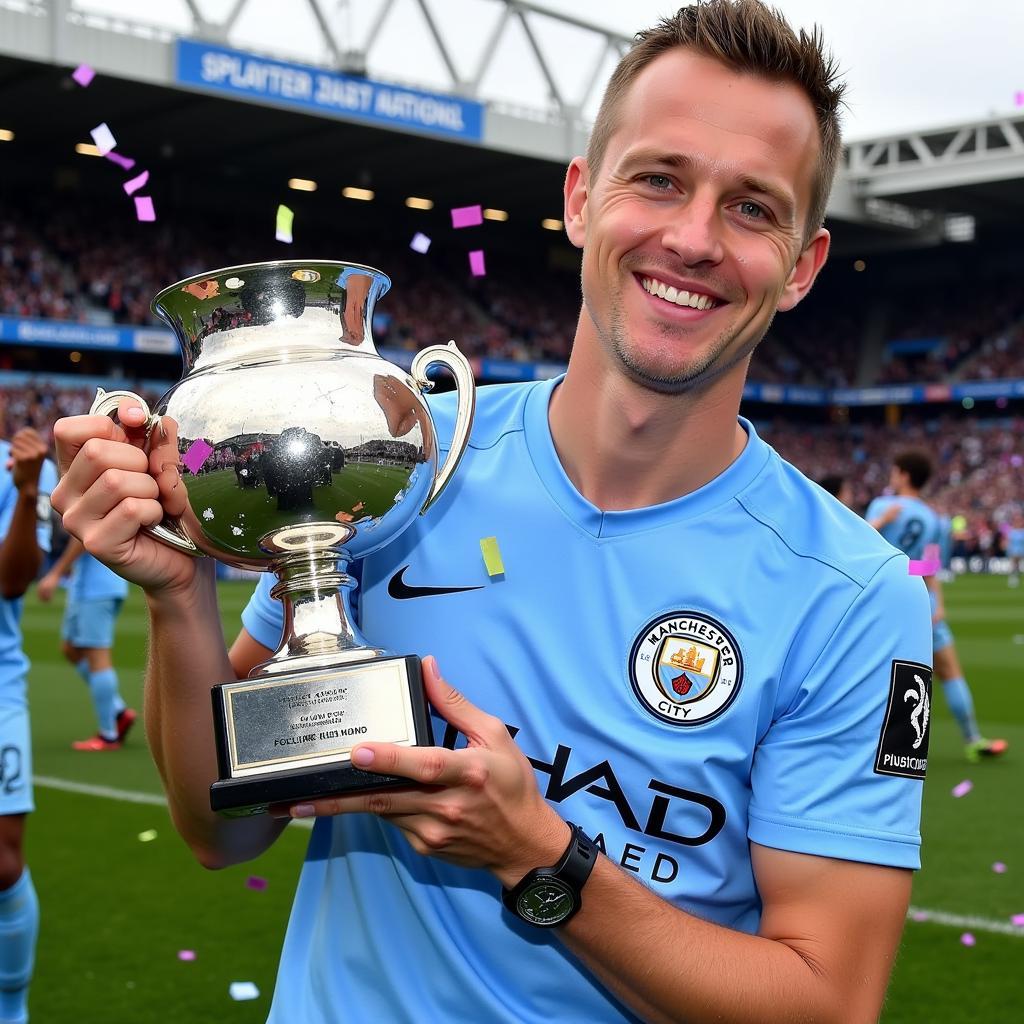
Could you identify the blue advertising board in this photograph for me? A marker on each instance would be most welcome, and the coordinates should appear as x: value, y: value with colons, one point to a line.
x: 305, y: 87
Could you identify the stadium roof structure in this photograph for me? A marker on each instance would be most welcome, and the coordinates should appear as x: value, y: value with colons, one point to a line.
x: 339, y: 107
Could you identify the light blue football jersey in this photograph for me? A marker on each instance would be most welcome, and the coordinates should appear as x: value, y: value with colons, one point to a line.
x: 91, y: 580
x: 917, y: 525
x: 726, y: 667
x: 13, y: 662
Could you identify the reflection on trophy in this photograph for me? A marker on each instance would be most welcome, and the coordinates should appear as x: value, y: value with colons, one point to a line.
x: 302, y: 450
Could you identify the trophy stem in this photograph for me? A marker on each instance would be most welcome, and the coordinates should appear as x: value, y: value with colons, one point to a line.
x: 318, y: 629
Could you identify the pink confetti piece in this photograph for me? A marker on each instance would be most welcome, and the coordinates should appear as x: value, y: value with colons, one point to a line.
x: 144, y: 208
x: 197, y: 454
x: 920, y: 915
x: 126, y: 163
x: 1017, y: 920
x: 186, y: 954
x: 999, y: 868
x: 255, y: 882
x: 967, y: 939
x: 963, y: 788
x: 476, y: 263
x: 83, y: 75
x: 103, y: 138
x: 1020, y: 99
x: 923, y: 567
x: 134, y: 184
x: 420, y: 243
x: 467, y: 216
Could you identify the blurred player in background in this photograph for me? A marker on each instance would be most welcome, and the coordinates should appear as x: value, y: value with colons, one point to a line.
x: 1015, y: 548
x: 26, y: 480
x: 94, y: 599
x: 839, y: 487
x: 912, y: 525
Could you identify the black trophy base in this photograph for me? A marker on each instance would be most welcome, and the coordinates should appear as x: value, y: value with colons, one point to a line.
x: 268, y: 720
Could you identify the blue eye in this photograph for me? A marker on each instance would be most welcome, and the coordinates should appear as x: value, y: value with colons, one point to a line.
x: 658, y: 181
x: 749, y: 209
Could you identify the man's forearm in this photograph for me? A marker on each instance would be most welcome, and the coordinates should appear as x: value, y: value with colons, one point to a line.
x: 73, y: 550
x: 186, y: 658
x: 20, y: 556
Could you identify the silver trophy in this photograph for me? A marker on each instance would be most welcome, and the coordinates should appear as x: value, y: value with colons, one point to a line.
x: 302, y: 449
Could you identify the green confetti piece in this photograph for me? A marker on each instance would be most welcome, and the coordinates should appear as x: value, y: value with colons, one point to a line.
x: 284, y: 223
x: 148, y: 836
x: 492, y: 556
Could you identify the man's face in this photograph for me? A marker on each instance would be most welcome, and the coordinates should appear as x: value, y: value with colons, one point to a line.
x: 692, y: 227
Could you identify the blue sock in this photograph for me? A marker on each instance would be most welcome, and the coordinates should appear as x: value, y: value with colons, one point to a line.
x: 105, y: 699
x: 958, y: 697
x: 19, y: 926
x: 82, y: 668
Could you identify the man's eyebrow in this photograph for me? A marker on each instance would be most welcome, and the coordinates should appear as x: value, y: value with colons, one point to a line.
x: 648, y: 157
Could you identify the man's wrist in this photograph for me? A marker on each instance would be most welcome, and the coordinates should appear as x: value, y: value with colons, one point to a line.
x: 544, y: 850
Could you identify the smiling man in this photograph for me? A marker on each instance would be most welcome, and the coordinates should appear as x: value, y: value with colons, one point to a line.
x: 694, y: 655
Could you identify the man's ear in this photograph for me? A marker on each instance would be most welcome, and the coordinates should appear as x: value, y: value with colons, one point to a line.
x: 808, y: 265
x: 577, y: 187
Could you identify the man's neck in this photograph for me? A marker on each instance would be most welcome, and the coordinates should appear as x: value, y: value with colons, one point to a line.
x: 624, y: 446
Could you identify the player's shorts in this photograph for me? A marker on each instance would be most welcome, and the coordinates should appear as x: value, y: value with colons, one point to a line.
x: 942, y: 635
x: 1015, y: 549
x: 90, y: 623
x: 15, y: 760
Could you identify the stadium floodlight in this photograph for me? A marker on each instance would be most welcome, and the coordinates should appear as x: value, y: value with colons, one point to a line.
x: 418, y: 203
x: 350, y: 192
x: 495, y: 214
x: 302, y: 184
x: 6, y: 135
x: 87, y: 149
x: 551, y: 224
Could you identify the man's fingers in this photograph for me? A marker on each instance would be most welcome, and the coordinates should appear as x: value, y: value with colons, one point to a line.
x: 383, y: 802
x: 93, y: 457
x: 478, y: 726
x: 72, y: 432
x: 112, y: 489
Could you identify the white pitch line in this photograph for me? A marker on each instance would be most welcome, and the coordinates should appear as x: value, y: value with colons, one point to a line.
x: 124, y: 795
x: 978, y: 924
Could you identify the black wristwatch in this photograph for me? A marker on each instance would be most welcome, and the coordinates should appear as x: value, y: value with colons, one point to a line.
x: 548, y: 897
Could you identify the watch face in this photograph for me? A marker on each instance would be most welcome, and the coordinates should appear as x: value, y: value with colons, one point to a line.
x: 548, y: 901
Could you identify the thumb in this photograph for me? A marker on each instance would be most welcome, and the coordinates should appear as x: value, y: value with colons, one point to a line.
x: 453, y: 707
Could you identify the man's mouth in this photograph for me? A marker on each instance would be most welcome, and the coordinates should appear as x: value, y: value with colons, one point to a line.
x: 678, y: 296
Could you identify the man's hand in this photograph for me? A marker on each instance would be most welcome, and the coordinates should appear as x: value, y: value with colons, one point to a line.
x: 47, y: 586
x: 890, y: 515
x: 28, y: 450
x: 110, y: 489
x: 478, y: 806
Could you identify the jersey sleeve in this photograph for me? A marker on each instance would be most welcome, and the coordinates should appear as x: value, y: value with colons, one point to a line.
x: 44, y: 518
x: 263, y: 616
x: 840, y: 771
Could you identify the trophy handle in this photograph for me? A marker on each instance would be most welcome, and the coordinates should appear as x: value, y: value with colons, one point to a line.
x: 169, y: 531
x: 451, y: 357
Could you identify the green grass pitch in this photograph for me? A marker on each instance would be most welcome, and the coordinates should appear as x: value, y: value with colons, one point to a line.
x: 116, y: 911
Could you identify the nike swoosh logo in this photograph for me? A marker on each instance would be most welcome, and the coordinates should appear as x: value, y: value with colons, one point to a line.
x: 401, y: 591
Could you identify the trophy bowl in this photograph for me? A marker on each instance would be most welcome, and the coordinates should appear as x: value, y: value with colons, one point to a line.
x: 301, y: 450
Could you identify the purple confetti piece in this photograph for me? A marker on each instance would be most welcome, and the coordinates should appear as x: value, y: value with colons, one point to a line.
x: 420, y: 243
x: 999, y: 868
x: 1020, y: 99
x: 257, y: 883
x: 186, y: 954
x: 963, y: 788
x: 967, y: 939
x: 476, y: 263
x: 1018, y: 920
x: 467, y: 216
x: 198, y: 452
x: 923, y: 567
x: 83, y: 75
x: 144, y: 208
x: 134, y: 184
x: 126, y: 163
x: 920, y: 915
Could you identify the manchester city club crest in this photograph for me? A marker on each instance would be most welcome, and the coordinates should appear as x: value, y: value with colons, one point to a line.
x: 685, y: 668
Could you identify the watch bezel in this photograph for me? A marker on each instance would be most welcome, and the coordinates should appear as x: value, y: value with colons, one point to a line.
x: 525, y: 912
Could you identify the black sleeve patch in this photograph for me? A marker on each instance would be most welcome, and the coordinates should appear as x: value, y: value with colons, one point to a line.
x: 903, y: 744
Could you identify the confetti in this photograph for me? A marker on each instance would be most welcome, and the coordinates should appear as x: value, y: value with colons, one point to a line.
x: 242, y: 990
x: 1020, y: 99
x: 284, y: 224
x: 144, y: 208
x: 103, y: 138
x: 967, y: 939
x: 126, y: 163
x: 186, y: 954
x: 134, y: 184
x: 196, y: 454
x: 148, y: 836
x: 963, y: 788
x: 467, y: 216
x: 920, y: 915
x: 420, y: 243
x: 255, y: 882
x: 492, y: 556
x: 923, y: 567
x: 1018, y: 920
x: 83, y: 75
x: 476, y: 263
x: 999, y: 868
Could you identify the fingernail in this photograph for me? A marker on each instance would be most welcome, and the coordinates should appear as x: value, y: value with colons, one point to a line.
x: 303, y: 811
x: 363, y: 756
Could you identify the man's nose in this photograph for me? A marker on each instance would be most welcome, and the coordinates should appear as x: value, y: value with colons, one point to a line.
x: 693, y: 231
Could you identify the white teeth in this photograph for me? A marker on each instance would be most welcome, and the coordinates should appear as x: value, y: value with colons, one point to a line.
x: 677, y: 296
